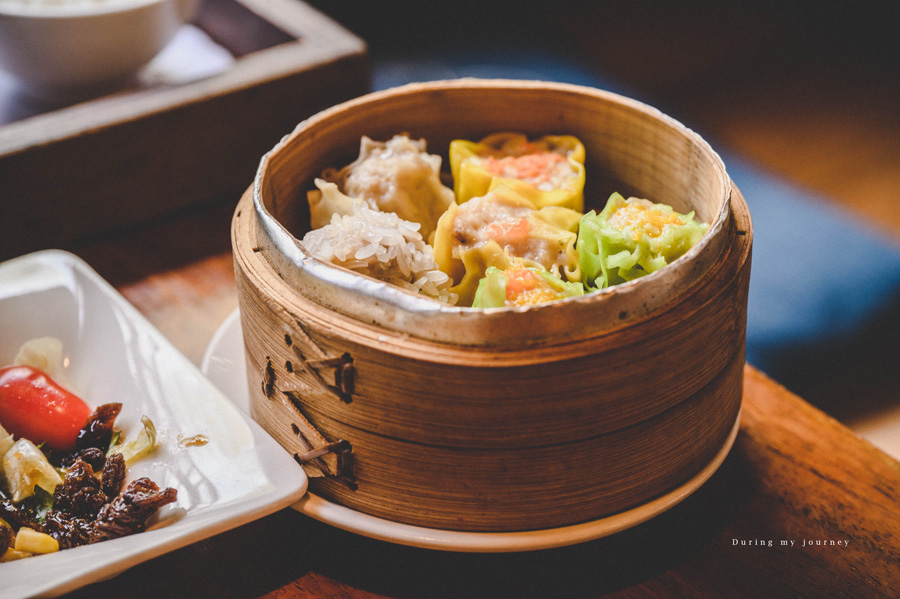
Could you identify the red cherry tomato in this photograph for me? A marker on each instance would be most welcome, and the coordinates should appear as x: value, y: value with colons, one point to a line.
x: 34, y: 406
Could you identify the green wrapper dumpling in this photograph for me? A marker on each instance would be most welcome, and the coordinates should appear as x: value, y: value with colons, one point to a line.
x: 521, y: 285
x: 632, y: 238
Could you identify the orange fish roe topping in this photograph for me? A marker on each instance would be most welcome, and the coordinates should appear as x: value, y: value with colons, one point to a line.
x: 639, y: 218
x: 535, y: 296
x: 525, y: 288
x: 534, y: 168
x: 519, y: 280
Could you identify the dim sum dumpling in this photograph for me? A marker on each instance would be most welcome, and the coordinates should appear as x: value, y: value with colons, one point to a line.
x: 520, y: 285
x: 492, y: 229
x: 632, y: 238
x: 548, y: 171
x: 397, y: 176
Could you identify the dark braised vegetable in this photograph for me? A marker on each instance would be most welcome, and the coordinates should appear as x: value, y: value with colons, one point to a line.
x: 92, y: 455
x: 69, y: 531
x: 83, y: 512
x: 10, y: 513
x: 6, y: 536
x: 80, y: 493
x: 113, y: 475
x: 98, y: 431
x: 125, y: 515
x: 129, y: 511
x: 35, y: 508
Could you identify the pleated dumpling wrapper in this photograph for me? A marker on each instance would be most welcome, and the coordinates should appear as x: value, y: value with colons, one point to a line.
x: 548, y: 171
x: 521, y: 285
x: 493, y: 229
x: 632, y: 238
x: 396, y: 176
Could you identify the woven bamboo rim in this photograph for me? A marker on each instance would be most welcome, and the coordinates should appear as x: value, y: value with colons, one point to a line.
x: 633, y: 148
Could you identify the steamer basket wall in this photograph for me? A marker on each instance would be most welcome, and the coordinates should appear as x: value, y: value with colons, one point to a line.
x: 507, y: 419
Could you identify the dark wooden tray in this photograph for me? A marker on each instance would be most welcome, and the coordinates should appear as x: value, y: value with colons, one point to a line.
x: 75, y: 171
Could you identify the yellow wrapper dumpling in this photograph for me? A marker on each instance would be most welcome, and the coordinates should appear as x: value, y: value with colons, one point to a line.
x: 548, y: 171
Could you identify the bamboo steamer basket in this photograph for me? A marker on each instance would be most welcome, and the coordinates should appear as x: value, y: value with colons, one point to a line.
x: 506, y: 419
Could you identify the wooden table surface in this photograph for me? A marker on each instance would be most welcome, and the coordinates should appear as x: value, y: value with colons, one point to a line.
x: 801, y: 507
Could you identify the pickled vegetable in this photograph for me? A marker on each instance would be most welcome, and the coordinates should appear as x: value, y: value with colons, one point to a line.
x: 26, y: 467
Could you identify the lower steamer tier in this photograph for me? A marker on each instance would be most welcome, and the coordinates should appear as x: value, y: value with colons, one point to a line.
x: 496, y: 439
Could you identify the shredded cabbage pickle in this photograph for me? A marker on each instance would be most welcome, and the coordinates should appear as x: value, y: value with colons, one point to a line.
x: 521, y: 285
x: 26, y: 467
x: 142, y: 445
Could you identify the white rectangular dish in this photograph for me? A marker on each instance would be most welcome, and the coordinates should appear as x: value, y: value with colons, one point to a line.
x: 113, y: 354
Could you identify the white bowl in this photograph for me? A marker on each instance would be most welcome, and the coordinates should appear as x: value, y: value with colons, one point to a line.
x: 70, y: 48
